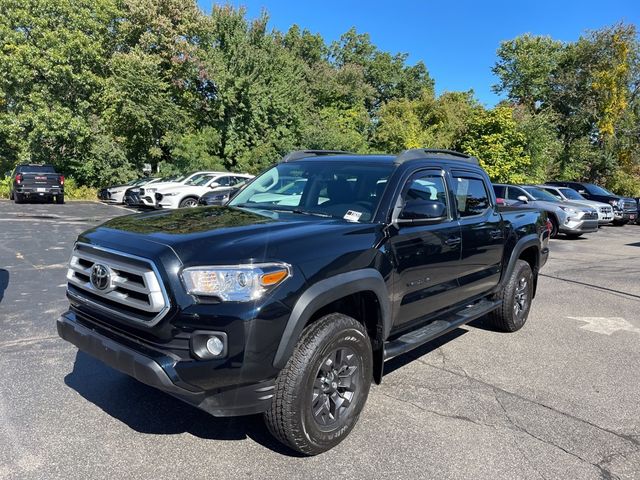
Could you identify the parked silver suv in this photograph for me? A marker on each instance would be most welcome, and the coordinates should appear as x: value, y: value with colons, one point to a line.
x: 572, y: 219
x: 566, y: 194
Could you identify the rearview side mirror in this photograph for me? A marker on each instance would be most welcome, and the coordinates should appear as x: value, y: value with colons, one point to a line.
x: 418, y: 212
x: 523, y: 199
x: 214, y: 185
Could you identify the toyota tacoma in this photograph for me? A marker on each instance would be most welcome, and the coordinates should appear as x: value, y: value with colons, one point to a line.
x: 289, y: 305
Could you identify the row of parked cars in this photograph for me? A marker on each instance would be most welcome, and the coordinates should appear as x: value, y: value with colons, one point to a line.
x: 179, y: 191
x: 574, y: 208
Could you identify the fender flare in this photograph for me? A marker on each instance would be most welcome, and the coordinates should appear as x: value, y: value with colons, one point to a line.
x: 530, y: 240
x: 324, y: 292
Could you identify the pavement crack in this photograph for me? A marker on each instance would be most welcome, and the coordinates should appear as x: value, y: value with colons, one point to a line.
x: 440, y: 414
x: 634, y: 439
x: 604, y: 473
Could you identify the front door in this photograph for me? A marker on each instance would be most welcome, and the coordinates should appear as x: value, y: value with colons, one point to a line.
x: 425, y: 257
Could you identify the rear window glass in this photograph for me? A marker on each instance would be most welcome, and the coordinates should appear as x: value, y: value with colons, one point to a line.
x: 35, y: 169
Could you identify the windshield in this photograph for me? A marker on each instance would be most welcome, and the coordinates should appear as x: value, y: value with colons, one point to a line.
x: 328, y: 189
x: 596, y: 190
x: 173, y: 178
x: 199, y: 180
x: 571, y: 194
x: 540, y: 194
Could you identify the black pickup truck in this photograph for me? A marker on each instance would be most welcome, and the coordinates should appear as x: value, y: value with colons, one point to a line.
x: 31, y: 181
x: 289, y: 305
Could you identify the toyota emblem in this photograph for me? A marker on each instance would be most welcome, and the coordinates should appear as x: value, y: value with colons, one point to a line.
x: 100, y: 276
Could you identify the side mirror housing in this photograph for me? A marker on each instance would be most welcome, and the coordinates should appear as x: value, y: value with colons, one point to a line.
x: 523, y: 199
x: 214, y: 185
x: 418, y: 212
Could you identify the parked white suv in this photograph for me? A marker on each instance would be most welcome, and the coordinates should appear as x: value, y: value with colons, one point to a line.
x: 148, y: 195
x: 188, y: 194
x: 566, y: 194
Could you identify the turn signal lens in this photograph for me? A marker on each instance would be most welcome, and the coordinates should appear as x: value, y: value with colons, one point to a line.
x: 273, y: 278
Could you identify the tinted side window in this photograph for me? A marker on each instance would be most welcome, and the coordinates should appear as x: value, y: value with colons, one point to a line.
x: 426, y: 186
x: 513, y: 193
x: 223, y: 181
x: 499, y: 190
x: 471, y: 196
x: 554, y: 192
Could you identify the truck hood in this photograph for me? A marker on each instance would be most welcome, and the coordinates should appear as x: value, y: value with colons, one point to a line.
x: 223, y: 235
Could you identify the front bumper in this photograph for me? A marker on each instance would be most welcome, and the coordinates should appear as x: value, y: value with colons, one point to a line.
x: 626, y: 216
x: 159, y: 369
x: 579, y: 226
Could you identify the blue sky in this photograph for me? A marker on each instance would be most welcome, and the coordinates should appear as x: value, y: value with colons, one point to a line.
x: 457, y: 40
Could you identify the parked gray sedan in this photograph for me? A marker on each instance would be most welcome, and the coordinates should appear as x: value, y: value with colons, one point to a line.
x: 566, y: 194
x: 572, y: 219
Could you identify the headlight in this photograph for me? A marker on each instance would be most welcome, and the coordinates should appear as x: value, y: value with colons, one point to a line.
x: 168, y: 194
x: 570, y: 210
x: 238, y: 283
x: 149, y: 190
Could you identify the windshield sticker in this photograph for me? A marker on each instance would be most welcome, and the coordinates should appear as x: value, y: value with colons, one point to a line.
x: 352, y: 216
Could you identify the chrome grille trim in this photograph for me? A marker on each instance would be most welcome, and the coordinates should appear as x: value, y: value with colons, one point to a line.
x: 135, y: 283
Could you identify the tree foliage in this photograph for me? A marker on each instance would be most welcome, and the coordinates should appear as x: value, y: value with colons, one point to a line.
x: 102, y: 87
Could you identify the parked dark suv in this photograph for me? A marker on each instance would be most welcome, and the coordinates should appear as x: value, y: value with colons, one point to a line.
x: 625, y: 210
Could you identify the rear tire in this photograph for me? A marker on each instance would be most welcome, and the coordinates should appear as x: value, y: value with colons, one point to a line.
x: 17, y: 198
x: 60, y: 199
x: 331, y: 366
x: 189, y: 202
x: 516, y: 298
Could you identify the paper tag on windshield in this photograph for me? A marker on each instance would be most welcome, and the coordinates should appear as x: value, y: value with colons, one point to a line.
x: 352, y: 216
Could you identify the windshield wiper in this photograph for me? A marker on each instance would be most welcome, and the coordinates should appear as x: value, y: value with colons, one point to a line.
x: 309, y: 212
x: 280, y: 208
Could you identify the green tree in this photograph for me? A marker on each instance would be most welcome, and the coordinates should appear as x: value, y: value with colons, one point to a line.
x: 494, y: 138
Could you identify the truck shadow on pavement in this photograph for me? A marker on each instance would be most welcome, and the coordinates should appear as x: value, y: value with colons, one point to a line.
x: 4, y: 282
x: 147, y: 410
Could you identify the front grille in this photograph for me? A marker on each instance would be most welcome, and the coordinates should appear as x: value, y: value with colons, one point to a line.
x: 606, y: 210
x: 630, y: 205
x: 590, y: 215
x: 133, y: 288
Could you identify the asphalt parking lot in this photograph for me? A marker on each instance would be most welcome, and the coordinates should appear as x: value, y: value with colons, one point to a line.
x: 558, y: 399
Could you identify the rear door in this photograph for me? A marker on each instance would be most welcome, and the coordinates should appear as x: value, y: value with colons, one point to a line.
x: 426, y: 257
x: 481, y: 229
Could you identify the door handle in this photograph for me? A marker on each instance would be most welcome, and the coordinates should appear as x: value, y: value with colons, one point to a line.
x: 495, y: 234
x: 453, y: 241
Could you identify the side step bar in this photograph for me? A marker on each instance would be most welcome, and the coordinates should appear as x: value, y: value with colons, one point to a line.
x: 433, y: 330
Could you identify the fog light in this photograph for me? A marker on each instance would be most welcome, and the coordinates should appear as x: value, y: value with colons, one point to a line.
x: 209, y: 345
x: 215, y: 346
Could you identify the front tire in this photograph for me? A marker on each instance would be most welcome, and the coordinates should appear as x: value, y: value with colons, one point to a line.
x: 516, y: 298
x: 322, y: 389
x: 189, y: 202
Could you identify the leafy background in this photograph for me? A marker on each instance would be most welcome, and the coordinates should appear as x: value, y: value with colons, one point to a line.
x: 101, y: 87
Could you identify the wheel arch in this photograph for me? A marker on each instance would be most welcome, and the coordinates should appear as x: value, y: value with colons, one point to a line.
x: 361, y: 294
x: 527, y: 249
